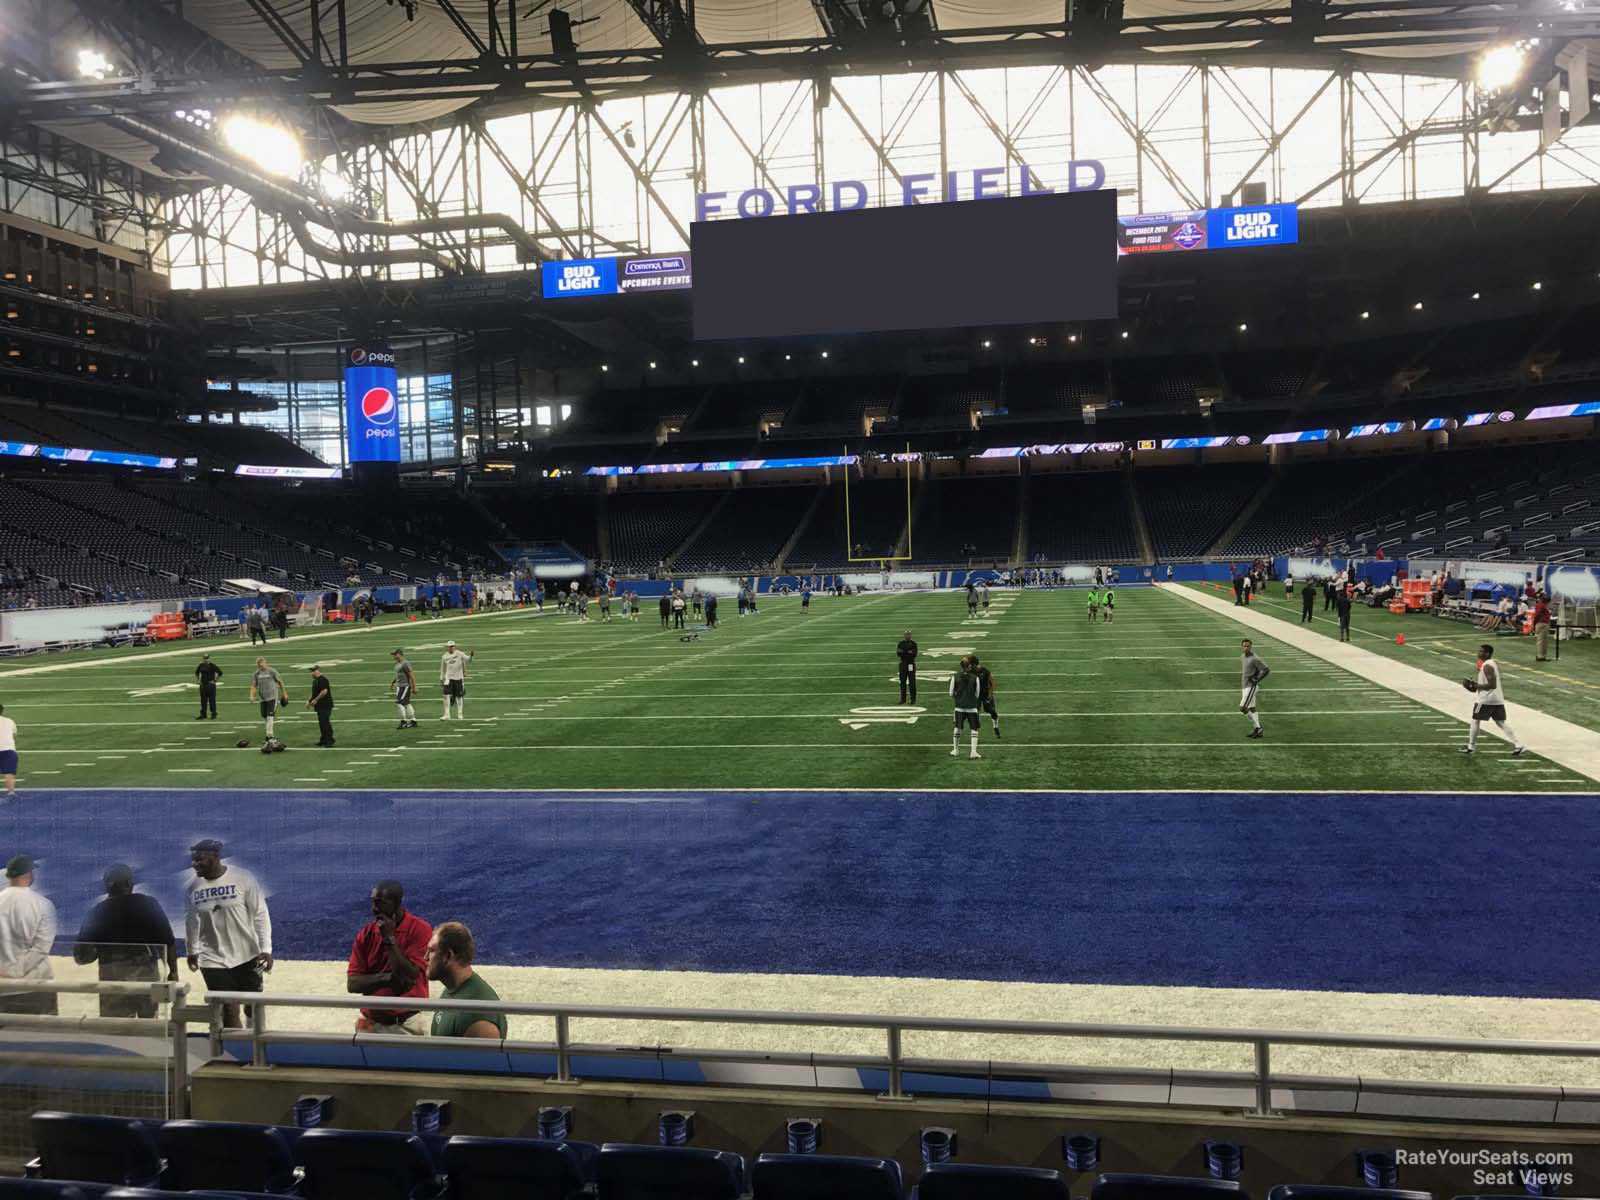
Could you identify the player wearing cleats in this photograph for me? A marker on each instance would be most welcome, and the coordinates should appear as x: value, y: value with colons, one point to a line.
x: 266, y: 688
x: 1251, y: 672
x: 972, y: 599
x: 453, y: 681
x: 1108, y: 602
x: 404, y: 687
x: 1094, y: 604
x: 986, y: 692
x: 1489, y: 702
x: 964, y: 692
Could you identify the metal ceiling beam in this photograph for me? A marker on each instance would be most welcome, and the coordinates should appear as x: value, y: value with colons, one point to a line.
x: 669, y: 22
x: 508, y: 83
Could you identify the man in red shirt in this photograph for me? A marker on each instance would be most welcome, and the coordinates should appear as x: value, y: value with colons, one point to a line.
x: 1541, y: 629
x: 387, y: 960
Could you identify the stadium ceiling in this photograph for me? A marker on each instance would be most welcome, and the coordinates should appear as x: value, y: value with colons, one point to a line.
x: 370, y: 66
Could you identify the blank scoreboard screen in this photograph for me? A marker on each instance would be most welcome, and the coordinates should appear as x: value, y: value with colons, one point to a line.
x: 1011, y: 261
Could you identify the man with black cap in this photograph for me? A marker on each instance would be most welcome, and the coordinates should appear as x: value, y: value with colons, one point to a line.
x: 207, y: 673
x: 321, y: 703
x: 125, y: 933
x: 227, y: 927
x: 907, y: 650
x: 27, y: 931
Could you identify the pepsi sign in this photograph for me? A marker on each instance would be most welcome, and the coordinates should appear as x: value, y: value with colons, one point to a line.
x: 371, y: 406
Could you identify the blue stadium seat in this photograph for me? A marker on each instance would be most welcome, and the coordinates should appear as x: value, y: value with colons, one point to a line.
x: 825, y: 1177
x: 974, y: 1181
x: 1319, y: 1191
x: 50, y: 1189
x: 167, y: 1194
x: 488, y: 1168
x: 1165, y: 1187
x: 96, y: 1149
x: 341, y: 1163
x: 225, y: 1155
x: 669, y: 1173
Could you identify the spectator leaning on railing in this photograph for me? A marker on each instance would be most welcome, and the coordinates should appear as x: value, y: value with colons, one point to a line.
x: 131, y: 938
x: 450, y: 954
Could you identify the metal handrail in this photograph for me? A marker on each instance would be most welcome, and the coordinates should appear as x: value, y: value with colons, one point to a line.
x: 894, y: 1061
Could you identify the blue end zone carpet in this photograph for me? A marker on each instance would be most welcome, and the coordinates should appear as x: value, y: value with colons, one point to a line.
x: 1462, y: 895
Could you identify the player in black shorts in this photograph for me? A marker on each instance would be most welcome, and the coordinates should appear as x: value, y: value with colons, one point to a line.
x: 986, y: 692
x: 404, y: 686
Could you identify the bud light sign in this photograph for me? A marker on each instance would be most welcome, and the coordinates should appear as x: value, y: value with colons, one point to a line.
x: 372, y: 406
x: 1265, y: 225
x: 580, y: 277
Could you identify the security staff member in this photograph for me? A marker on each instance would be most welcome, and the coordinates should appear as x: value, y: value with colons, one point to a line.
x: 1341, y: 604
x: 207, y: 673
x: 907, y: 650
x: 322, y: 702
x: 1308, y: 599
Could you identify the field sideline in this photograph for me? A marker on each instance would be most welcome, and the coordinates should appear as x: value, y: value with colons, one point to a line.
x: 792, y: 700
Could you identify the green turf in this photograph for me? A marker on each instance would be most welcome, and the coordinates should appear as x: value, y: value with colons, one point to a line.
x: 1568, y: 687
x: 1148, y: 702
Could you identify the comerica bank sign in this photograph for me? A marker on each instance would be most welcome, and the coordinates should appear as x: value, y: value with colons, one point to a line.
x: 841, y: 195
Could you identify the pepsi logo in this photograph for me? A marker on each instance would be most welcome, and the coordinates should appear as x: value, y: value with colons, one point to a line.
x: 377, y: 406
x: 358, y: 356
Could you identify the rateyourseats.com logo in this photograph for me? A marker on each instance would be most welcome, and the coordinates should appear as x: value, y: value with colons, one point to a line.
x: 1547, y: 1170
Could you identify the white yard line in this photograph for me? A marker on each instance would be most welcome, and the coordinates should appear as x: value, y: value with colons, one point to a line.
x: 1572, y: 746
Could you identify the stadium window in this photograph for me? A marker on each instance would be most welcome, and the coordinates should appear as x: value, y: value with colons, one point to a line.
x: 541, y: 415
x: 566, y: 411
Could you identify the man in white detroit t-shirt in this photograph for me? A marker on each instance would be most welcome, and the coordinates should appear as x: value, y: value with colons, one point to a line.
x: 226, y: 924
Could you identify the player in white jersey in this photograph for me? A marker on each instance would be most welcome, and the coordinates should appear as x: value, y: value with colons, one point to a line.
x: 1489, y: 702
x: 453, y: 680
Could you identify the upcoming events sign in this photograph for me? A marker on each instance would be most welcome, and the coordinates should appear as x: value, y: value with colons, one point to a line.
x: 1209, y: 229
x: 608, y: 276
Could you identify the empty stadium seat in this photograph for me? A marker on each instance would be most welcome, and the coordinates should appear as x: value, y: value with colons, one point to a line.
x: 1165, y: 1187
x: 168, y: 1194
x: 824, y: 1177
x: 1318, y: 1191
x: 96, y: 1149
x: 487, y: 1168
x: 669, y: 1173
x: 341, y: 1163
x: 50, y: 1189
x: 225, y: 1155
x: 973, y: 1181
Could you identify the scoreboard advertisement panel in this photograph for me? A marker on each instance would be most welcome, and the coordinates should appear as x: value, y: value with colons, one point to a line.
x: 1208, y: 229
x: 371, y: 406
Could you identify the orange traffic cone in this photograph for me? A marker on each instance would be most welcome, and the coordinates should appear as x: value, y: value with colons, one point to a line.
x: 1399, y: 639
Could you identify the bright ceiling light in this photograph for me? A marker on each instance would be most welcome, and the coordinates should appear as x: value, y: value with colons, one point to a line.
x: 1501, y: 66
x: 271, y: 147
x: 1243, y: 328
x: 93, y: 65
x: 1538, y: 286
x: 334, y: 185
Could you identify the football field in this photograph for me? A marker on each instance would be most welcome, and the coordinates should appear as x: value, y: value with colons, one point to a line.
x: 785, y: 699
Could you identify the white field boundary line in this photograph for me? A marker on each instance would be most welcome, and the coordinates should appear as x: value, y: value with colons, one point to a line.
x: 1247, y: 744
x: 1388, y: 711
x: 1572, y: 746
x: 217, y: 645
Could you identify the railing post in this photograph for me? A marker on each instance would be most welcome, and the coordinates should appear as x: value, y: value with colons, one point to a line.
x: 258, y: 1026
x: 177, y: 993
x: 214, y: 1028
x: 896, y: 1091
x: 563, y: 1051
x: 1263, y: 1079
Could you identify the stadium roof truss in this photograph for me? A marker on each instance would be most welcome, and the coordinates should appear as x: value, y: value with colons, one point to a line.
x: 478, y: 134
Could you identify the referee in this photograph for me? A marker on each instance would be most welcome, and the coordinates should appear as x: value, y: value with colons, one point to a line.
x: 907, y: 650
x: 207, y: 673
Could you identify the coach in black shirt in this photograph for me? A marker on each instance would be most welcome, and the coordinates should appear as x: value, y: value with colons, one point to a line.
x: 322, y: 701
x: 207, y: 673
x: 907, y: 650
x: 126, y: 933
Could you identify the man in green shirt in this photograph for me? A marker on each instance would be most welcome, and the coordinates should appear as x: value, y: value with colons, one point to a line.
x: 449, y: 961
